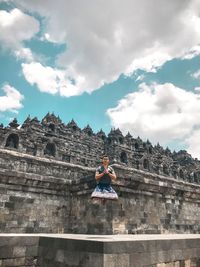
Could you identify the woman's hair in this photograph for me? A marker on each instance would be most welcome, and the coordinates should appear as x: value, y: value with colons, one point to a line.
x: 105, y: 156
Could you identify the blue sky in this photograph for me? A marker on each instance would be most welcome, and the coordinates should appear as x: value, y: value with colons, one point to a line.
x: 106, y: 65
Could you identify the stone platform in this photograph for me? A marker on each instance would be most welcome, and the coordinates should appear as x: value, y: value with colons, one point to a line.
x: 72, y: 250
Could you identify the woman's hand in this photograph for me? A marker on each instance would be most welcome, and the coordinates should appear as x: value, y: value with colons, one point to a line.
x: 112, y: 176
x: 106, y: 171
x: 99, y: 175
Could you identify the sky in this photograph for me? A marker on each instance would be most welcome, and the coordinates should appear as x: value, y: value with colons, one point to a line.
x: 132, y: 64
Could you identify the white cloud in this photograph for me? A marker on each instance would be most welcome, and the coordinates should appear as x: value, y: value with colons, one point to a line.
x: 193, y: 52
x: 196, y: 75
x: 149, y: 62
x: 24, y: 53
x: 193, y: 143
x: 12, y: 99
x: 161, y: 112
x: 105, y: 39
x: 140, y: 78
x: 49, y: 80
x: 16, y: 27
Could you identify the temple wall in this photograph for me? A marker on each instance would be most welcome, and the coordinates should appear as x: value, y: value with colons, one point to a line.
x: 51, y: 138
x: 74, y: 147
x: 35, y: 193
x: 31, y: 211
x: 47, y: 250
x: 148, y: 204
x: 18, y: 250
x: 44, y: 195
x: 94, y: 251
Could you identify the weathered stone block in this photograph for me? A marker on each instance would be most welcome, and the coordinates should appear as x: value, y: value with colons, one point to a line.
x: 31, y: 251
x: 19, y: 252
x: 6, y: 252
x: 116, y: 260
x: 13, y: 262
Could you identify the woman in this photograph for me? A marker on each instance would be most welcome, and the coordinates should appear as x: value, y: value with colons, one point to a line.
x: 104, y: 176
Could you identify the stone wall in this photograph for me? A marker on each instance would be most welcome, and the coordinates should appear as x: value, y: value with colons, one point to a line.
x: 108, y: 251
x: 35, y: 193
x: 19, y: 251
x: 44, y: 195
x: 47, y: 250
x: 147, y: 204
x: 53, y: 139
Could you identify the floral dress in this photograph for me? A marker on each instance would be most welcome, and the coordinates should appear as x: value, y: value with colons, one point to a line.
x: 104, y: 189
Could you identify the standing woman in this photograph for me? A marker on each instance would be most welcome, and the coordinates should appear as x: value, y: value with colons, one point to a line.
x: 104, y: 176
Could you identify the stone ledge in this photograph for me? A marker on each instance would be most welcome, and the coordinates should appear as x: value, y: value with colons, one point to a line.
x: 99, y: 251
x: 18, y: 155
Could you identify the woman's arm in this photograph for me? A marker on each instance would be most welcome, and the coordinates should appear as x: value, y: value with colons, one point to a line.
x: 98, y: 175
x: 112, y: 174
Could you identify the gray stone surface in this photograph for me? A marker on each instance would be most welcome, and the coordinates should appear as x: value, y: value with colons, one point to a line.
x: 120, y: 250
x: 53, y: 139
x: 70, y: 250
x: 47, y: 177
x: 18, y: 250
x: 48, y: 195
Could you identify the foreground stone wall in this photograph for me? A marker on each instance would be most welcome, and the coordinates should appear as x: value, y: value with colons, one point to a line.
x: 106, y: 251
x: 100, y: 251
x: 41, y: 195
x: 19, y: 251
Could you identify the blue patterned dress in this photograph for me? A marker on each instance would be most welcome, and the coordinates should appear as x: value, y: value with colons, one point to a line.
x: 104, y: 189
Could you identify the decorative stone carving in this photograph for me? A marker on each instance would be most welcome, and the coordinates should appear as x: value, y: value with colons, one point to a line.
x: 68, y: 143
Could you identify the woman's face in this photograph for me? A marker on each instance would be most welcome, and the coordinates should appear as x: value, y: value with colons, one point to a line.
x: 105, y: 160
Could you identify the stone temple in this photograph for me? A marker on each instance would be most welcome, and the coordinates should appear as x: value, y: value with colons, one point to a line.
x: 46, y: 179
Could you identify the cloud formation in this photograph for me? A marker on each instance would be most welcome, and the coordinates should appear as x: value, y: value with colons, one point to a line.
x: 105, y: 39
x: 161, y: 112
x: 16, y: 27
x: 193, y: 143
x: 196, y: 75
x: 12, y: 100
x: 48, y: 80
x: 25, y: 54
